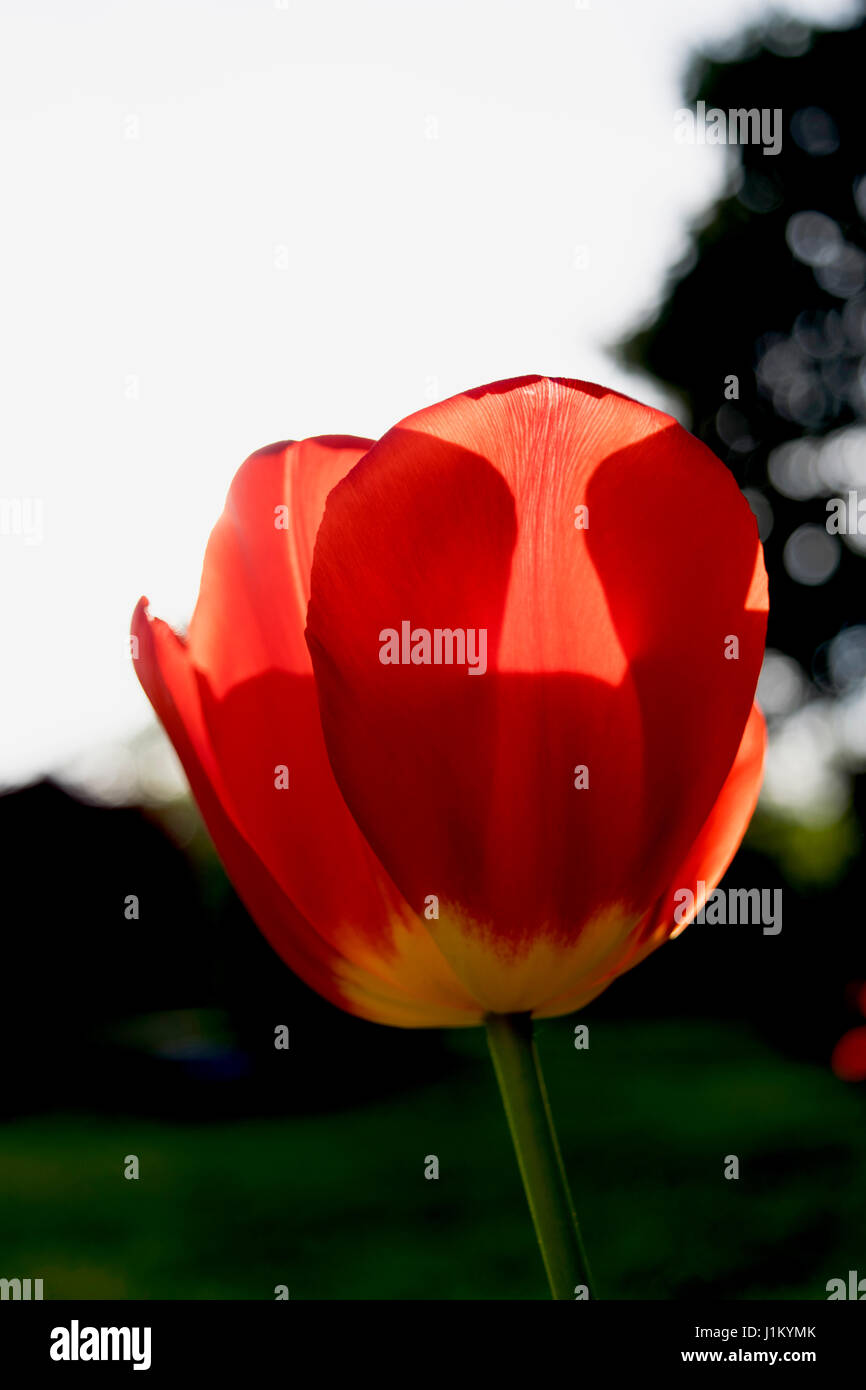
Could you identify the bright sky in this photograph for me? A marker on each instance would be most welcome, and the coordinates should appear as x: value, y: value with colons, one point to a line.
x: 233, y: 221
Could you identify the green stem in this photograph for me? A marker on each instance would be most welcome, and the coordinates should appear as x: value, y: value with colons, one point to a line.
x: 521, y: 1083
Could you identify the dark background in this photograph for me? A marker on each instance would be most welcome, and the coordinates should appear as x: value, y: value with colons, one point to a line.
x: 305, y: 1167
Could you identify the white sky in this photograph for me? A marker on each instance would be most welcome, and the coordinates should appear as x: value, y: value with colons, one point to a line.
x: 295, y: 135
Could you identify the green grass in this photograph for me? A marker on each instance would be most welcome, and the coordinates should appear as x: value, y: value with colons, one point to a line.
x: 336, y: 1205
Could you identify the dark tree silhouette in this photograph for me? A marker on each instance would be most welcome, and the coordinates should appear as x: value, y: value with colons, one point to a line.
x: 776, y: 296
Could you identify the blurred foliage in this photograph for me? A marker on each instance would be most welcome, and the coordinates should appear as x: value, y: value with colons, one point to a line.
x: 809, y: 856
x: 337, y: 1206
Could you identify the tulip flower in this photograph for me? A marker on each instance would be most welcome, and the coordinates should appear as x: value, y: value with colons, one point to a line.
x: 849, y: 1055
x: 848, y: 1060
x: 464, y: 708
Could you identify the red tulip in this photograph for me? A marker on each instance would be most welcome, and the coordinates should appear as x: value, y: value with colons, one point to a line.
x: 849, y: 1055
x: 597, y: 580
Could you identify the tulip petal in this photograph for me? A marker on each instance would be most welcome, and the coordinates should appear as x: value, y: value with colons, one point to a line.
x: 608, y: 648
x: 257, y: 761
x: 164, y: 670
x: 706, y: 863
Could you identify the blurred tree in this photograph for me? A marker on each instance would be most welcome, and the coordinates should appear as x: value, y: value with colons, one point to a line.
x: 773, y: 296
